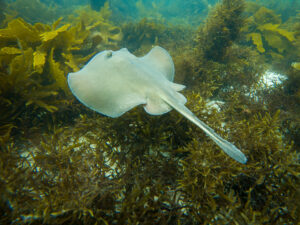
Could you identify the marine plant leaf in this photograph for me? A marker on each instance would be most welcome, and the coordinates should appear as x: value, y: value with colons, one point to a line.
x: 41, y: 28
x: 296, y: 65
x: 274, y: 27
x: 42, y: 104
x: 257, y: 40
x: 10, y: 51
x: 70, y: 62
x: 57, y: 73
x: 264, y: 15
x: 275, y: 41
x: 23, y: 31
x: 20, y: 68
x: 39, y: 59
x: 47, y: 36
x: 56, y: 23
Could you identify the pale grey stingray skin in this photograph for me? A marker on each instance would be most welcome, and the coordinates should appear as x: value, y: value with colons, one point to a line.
x: 113, y: 82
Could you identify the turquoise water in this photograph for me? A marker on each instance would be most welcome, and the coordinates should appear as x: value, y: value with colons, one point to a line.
x: 176, y: 11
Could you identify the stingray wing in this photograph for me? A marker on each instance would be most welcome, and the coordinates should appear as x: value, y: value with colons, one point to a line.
x: 161, y: 60
x: 104, y: 87
x: 100, y: 97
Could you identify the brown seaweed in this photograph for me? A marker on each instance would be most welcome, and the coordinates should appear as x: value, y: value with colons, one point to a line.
x: 63, y: 164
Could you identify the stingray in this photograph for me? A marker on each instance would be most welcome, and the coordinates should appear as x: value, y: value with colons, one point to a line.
x: 114, y: 82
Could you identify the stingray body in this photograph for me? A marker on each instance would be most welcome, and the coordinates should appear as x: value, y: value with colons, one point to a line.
x: 113, y: 82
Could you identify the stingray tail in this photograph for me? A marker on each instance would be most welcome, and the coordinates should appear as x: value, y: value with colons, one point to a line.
x: 226, y: 146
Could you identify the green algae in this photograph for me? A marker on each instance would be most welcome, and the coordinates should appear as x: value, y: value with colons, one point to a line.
x: 61, y: 163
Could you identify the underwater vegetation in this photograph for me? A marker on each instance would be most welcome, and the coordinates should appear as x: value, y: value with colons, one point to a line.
x: 32, y: 11
x: 286, y: 9
x: 102, y: 30
x: 270, y: 36
x: 219, y: 62
x: 140, y: 36
x: 34, y: 61
x: 221, y: 29
x: 63, y: 164
x: 287, y: 96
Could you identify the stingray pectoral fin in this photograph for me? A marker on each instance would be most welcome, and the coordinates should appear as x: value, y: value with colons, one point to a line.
x: 177, y: 87
x: 226, y: 146
x: 161, y: 60
x: 122, y: 104
x: 105, y: 98
x: 156, y: 106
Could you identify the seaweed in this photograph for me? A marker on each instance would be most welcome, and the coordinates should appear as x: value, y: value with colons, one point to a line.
x: 102, y: 30
x: 155, y: 169
x: 220, y: 30
x: 32, y: 11
x: 35, y: 60
x: 286, y: 96
x: 287, y: 9
x: 248, y: 190
x: 220, y: 62
x: 271, y: 37
x: 144, y: 33
x: 61, y: 163
x: 140, y: 36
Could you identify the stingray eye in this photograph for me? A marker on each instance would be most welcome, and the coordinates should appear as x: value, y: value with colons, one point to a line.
x: 109, y: 54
